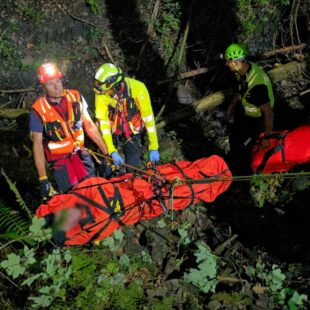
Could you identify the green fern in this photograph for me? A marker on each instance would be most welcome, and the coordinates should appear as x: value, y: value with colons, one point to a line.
x: 18, y: 196
x: 12, y: 224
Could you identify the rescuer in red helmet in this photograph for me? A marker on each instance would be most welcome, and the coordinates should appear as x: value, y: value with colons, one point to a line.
x: 57, y: 122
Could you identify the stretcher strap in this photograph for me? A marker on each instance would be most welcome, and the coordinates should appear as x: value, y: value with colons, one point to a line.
x: 110, y: 209
x: 188, y: 184
x: 278, y: 147
x: 89, y: 218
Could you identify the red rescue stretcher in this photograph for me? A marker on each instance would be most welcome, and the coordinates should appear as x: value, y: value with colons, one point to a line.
x: 109, y: 204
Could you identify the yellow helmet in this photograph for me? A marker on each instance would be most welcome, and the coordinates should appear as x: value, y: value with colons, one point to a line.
x: 107, y: 76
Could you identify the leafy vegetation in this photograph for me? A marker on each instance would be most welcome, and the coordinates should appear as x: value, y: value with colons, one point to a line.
x: 205, y: 276
x: 111, y: 275
x: 276, y: 190
x: 93, y: 4
x: 260, y: 22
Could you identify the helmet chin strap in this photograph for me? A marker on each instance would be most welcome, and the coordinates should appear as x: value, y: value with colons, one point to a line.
x: 57, y: 99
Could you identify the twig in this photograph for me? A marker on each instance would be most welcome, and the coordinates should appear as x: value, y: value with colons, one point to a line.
x: 185, y: 35
x: 149, y: 29
x: 108, y: 52
x: 295, y: 21
x: 11, y: 281
x: 304, y: 92
x: 219, y: 249
x: 291, y: 22
x: 83, y: 20
x: 161, y: 111
x: 229, y: 279
x: 15, y: 91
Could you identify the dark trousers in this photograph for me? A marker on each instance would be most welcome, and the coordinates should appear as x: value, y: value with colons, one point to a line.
x: 244, y: 134
x: 132, y: 149
x: 72, y: 169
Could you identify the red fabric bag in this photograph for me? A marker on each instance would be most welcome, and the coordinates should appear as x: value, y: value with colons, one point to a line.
x: 287, y: 149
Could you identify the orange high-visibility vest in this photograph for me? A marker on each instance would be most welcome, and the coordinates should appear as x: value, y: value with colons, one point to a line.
x: 62, y: 136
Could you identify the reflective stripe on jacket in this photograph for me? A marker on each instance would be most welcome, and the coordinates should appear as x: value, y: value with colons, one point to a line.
x: 256, y: 76
x: 137, y: 108
x: 62, y: 136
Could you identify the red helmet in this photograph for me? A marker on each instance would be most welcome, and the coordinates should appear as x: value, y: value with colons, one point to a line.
x: 47, y: 72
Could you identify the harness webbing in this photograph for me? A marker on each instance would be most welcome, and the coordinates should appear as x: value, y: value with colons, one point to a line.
x: 111, y: 206
x: 186, y: 178
x: 274, y: 150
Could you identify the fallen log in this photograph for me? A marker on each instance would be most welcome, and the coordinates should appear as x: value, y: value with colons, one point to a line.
x: 12, y: 113
x: 211, y: 101
x: 16, y: 91
x: 284, y: 50
x: 186, y: 75
x: 285, y: 71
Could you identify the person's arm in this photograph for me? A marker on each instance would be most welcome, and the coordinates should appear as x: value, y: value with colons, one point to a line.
x: 93, y: 132
x: 38, y: 153
x: 268, y: 117
x: 102, y: 115
x: 147, y: 115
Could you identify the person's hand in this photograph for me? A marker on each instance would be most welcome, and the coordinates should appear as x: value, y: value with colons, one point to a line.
x: 265, y: 143
x: 46, y: 188
x: 154, y: 156
x: 117, y: 159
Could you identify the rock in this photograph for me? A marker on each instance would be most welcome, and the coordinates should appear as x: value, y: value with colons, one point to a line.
x: 184, y: 95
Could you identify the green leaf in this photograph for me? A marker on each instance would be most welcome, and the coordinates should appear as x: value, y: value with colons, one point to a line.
x: 18, y: 196
x: 109, y: 242
x: 37, y: 225
x: 12, y: 265
x: 161, y: 223
x: 124, y: 260
x: 111, y: 267
x: 208, y: 268
x: 31, y: 279
x: 29, y: 256
x: 45, y: 290
x: 42, y: 301
x: 277, y: 278
x: 297, y: 300
x: 118, y: 234
x: 17, y: 271
x: 67, y: 256
x: 12, y: 260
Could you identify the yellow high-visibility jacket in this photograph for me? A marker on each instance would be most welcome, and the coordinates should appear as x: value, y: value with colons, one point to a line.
x: 140, y: 94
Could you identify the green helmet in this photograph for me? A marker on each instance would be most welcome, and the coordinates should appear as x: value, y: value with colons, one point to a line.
x: 235, y: 51
x: 107, y: 76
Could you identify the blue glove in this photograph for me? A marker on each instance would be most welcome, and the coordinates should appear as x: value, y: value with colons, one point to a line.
x: 154, y: 156
x: 117, y: 159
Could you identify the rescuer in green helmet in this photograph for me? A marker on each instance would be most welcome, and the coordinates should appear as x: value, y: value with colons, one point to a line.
x: 124, y: 111
x: 254, y: 91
